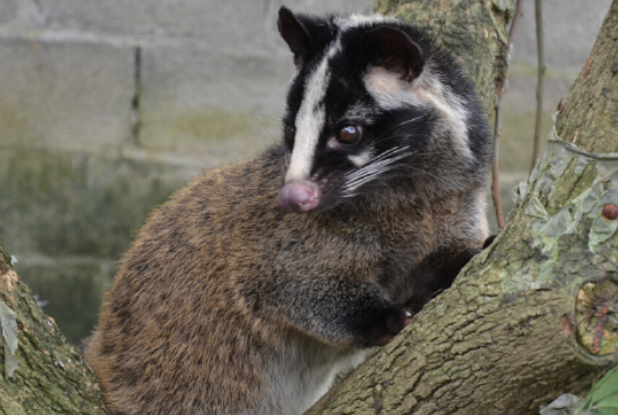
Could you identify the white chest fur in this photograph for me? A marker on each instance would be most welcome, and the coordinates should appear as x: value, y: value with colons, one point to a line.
x: 301, y: 376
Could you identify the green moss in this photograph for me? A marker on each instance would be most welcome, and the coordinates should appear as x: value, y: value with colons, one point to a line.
x: 205, y: 130
x: 73, y: 204
x: 214, y: 123
x: 69, y: 290
x: 52, y: 378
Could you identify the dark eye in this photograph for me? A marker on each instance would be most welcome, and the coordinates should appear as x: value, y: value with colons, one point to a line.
x: 349, y: 134
x: 289, y: 132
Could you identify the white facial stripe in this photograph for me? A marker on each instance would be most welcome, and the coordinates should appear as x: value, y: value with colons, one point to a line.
x: 310, y: 120
x: 309, y: 123
x: 390, y: 93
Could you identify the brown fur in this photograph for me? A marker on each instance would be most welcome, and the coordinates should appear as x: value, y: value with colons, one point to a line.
x: 218, y: 285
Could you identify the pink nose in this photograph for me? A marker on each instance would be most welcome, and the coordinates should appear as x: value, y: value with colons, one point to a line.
x: 299, y: 197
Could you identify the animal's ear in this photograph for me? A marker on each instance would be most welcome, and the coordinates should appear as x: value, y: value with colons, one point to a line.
x: 393, y: 50
x: 295, y: 34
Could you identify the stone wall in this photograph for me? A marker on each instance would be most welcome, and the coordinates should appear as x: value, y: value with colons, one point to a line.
x: 107, y: 106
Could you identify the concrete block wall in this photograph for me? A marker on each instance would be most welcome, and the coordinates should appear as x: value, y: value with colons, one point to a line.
x: 107, y: 106
x: 70, y: 95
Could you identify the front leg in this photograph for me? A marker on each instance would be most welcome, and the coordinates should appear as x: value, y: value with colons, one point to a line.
x: 437, y: 272
x: 335, y: 309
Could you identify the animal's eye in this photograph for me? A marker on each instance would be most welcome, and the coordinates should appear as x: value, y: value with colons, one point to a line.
x: 289, y: 132
x: 349, y: 134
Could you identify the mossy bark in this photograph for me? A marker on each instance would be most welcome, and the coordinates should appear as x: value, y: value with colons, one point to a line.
x: 532, y: 316
x: 51, y: 377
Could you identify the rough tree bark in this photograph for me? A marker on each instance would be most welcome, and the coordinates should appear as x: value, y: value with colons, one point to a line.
x: 51, y: 376
x: 530, y: 318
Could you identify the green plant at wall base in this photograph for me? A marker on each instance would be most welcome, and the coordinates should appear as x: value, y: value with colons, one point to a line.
x: 603, y: 398
x: 59, y: 203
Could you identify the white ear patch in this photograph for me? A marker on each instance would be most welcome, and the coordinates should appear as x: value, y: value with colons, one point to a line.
x: 391, y: 92
x: 388, y: 90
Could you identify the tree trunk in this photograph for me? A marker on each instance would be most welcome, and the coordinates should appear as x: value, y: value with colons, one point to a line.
x: 528, y: 319
x: 532, y: 316
x: 50, y: 376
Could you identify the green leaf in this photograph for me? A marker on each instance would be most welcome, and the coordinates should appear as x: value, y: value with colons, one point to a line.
x: 607, y: 386
x: 536, y: 209
x: 8, y: 322
x: 505, y: 5
x: 610, y: 401
x: 558, y: 225
x: 500, y: 4
x: 600, y: 231
x: 603, y: 398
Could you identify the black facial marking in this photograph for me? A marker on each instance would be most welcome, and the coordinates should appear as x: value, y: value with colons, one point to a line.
x: 289, y: 132
x: 408, y: 144
x: 393, y: 49
x: 306, y: 36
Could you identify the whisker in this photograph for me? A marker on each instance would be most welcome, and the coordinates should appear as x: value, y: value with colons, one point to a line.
x: 393, y: 128
x: 374, y: 168
x: 410, y: 121
x: 377, y: 162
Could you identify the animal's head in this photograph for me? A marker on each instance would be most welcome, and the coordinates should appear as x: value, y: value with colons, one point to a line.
x: 373, y: 104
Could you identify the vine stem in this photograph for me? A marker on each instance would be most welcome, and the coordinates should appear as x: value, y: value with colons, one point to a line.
x: 540, y: 80
x: 495, y: 176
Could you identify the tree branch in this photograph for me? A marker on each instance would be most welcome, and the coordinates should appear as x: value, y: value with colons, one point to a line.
x: 51, y: 376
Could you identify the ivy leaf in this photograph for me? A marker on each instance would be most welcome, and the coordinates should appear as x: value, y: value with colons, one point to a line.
x: 504, y: 5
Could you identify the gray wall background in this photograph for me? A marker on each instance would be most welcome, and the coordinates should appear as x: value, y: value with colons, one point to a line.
x: 107, y: 106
